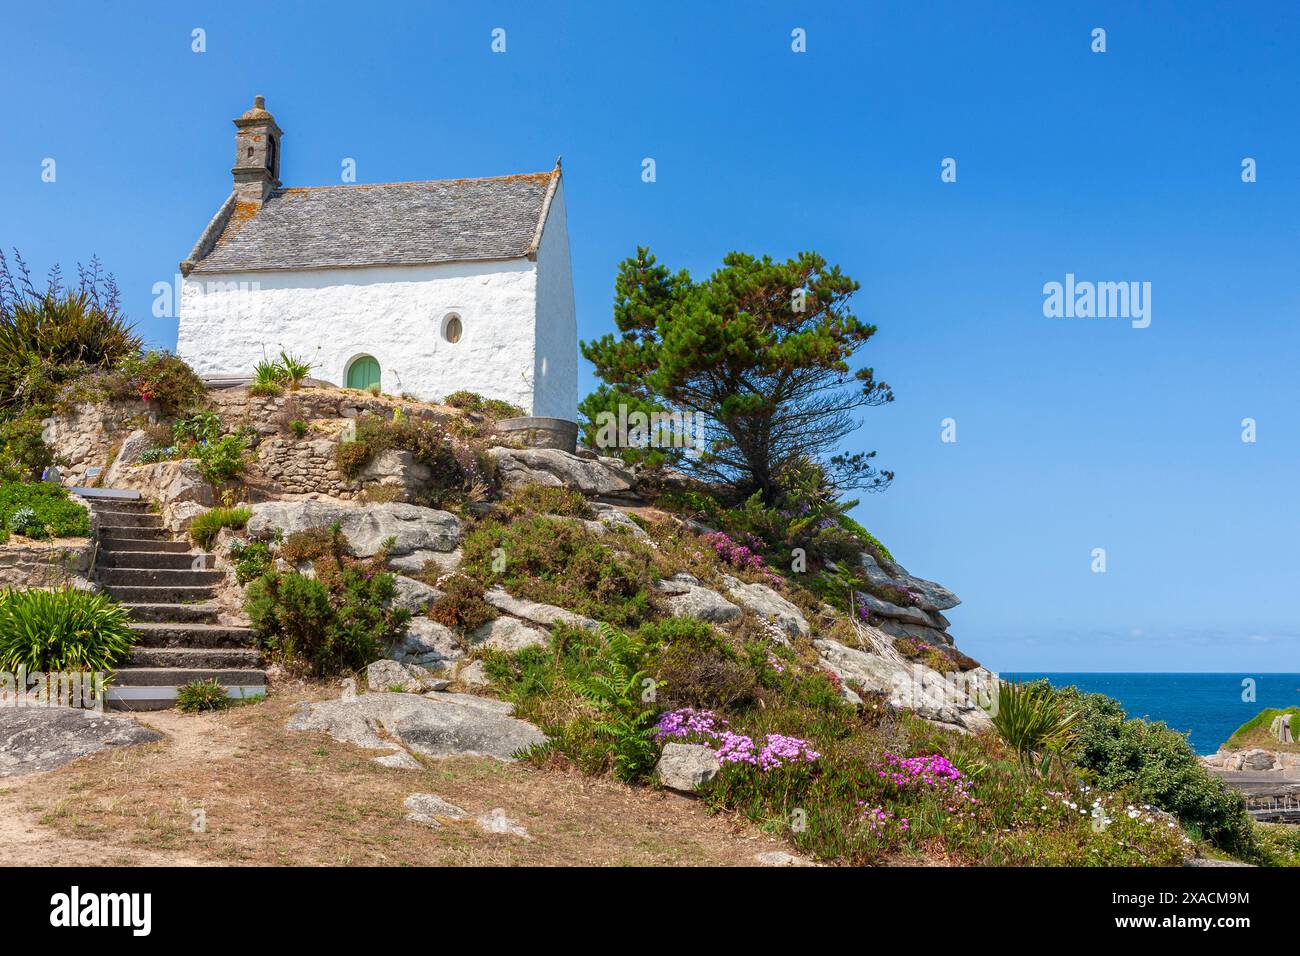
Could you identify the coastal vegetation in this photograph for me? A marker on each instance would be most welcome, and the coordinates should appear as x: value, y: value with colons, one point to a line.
x: 1256, y: 732
x: 1158, y: 766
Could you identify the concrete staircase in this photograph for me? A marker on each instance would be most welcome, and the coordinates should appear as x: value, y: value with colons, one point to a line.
x: 168, y: 591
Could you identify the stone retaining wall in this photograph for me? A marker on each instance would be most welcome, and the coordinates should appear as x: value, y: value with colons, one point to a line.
x: 44, y: 564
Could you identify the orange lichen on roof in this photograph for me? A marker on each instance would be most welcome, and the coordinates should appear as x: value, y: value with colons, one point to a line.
x: 239, y: 217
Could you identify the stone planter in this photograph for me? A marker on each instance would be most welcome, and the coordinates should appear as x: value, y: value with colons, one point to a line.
x: 534, y: 432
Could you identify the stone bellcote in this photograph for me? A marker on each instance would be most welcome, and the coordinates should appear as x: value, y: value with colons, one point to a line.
x: 257, y: 155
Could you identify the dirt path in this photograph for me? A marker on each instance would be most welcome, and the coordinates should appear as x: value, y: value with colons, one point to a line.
x: 239, y: 788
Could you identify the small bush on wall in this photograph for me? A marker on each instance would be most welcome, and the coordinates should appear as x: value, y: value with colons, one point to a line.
x: 40, y: 510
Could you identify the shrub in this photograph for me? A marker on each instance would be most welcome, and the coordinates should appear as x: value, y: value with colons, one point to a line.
x: 558, y: 561
x: 205, y: 528
x: 24, y: 456
x: 41, y: 510
x: 459, y: 471
x: 1036, y: 723
x: 224, y: 459
x: 62, y: 630
x: 293, y: 370
x: 251, y: 559
x: 312, y: 543
x: 202, y: 427
x: 160, y: 377
x: 461, y: 605
x: 493, y: 408
x: 546, y: 500
x: 201, y: 695
x: 695, y: 668
x: 382, y: 494
x: 1160, y: 767
x: 340, y: 620
x: 298, y: 427
x: 266, y: 379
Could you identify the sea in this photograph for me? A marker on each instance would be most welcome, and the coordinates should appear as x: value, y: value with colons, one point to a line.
x: 1209, y: 707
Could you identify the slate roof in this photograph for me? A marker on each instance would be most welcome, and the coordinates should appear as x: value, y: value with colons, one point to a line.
x: 447, y: 220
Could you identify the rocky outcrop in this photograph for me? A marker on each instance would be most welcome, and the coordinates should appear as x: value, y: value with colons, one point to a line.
x: 906, y: 684
x: 428, y: 644
x: 687, y: 597
x: 411, y: 527
x: 595, y: 477
x: 686, y: 767
x: 508, y: 634
x: 34, y: 739
x: 395, y: 677
x: 1255, y: 759
x: 769, y: 606
x: 414, y: 562
x: 927, y: 595
x: 436, y: 725
x: 543, y: 614
x: 412, y: 595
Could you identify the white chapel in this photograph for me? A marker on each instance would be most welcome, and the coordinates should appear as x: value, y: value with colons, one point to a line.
x: 424, y: 288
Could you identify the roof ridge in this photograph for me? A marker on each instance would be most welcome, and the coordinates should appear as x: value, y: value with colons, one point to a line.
x: 419, y: 182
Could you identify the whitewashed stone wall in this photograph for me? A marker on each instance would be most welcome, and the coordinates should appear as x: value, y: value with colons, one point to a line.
x: 519, y: 341
x: 555, y: 370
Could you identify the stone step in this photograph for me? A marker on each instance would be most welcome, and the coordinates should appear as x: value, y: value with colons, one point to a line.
x: 133, y: 533
x: 117, y: 545
x: 134, y: 505
x: 157, y: 560
x: 122, y: 495
x: 172, y: 614
x: 129, y: 519
x: 193, y: 635
x: 191, y: 658
x: 157, y: 594
x: 158, y: 577
x: 154, y: 688
x: 177, y: 676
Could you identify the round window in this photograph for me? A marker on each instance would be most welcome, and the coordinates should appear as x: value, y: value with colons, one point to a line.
x: 452, y: 329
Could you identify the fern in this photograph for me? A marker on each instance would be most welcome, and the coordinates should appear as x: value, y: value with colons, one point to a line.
x: 614, y: 686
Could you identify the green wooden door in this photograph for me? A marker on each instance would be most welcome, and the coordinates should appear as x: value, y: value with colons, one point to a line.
x: 363, y: 372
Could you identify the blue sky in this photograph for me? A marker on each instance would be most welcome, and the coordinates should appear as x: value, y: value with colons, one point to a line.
x: 1072, y: 434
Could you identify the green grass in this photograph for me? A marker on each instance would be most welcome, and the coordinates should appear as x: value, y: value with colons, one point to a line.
x: 1255, y: 733
x: 201, y: 695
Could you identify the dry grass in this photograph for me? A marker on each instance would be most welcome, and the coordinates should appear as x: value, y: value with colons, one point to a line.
x: 277, y: 797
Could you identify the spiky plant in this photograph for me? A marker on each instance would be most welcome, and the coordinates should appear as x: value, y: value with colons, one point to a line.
x: 293, y: 370
x: 62, y: 630
x: 267, y: 376
x: 201, y: 695
x: 52, y: 336
x: 1041, y: 729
